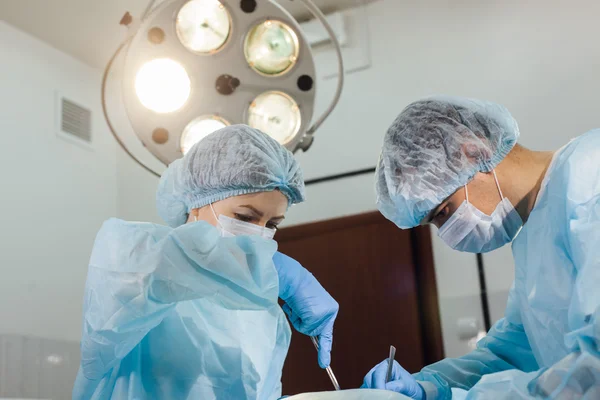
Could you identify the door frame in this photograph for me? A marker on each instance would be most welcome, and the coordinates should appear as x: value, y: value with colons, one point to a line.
x: 429, y: 312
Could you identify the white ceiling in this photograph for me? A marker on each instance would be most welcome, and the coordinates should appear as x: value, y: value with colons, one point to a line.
x: 89, y: 29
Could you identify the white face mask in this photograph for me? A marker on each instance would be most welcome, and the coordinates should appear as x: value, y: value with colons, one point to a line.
x: 230, y: 227
x: 472, y: 231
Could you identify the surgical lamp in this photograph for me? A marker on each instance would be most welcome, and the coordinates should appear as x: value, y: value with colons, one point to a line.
x: 192, y: 67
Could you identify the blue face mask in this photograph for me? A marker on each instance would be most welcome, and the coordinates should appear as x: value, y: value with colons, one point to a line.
x: 472, y: 231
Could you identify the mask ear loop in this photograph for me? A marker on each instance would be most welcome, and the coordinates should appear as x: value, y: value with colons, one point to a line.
x: 498, y: 185
x: 216, y: 218
x: 214, y: 214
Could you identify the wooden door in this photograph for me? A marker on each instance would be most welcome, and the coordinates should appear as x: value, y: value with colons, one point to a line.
x: 384, y: 281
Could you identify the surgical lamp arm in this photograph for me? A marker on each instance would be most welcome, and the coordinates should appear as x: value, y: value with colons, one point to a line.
x: 318, y: 14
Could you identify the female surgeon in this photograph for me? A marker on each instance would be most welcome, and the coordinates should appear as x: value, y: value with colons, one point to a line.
x: 455, y: 163
x: 190, y: 311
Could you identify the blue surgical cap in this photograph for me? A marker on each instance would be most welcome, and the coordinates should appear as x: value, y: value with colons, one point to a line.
x: 434, y: 147
x: 230, y: 162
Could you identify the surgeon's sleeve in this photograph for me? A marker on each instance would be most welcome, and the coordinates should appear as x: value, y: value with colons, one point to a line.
x: 577, y: 375
x: 505, y: 347
x: 137, y: 274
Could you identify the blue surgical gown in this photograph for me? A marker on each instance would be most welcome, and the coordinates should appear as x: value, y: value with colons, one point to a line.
x: 547, y: 343
x: 181, y: 314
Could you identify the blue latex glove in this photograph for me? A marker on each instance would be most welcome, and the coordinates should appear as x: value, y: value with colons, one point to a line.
x: 311, y: 310
x: 401, y: 381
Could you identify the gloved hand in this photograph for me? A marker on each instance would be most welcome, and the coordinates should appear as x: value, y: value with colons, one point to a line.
x: 401, y: 381
x: 311, y: 310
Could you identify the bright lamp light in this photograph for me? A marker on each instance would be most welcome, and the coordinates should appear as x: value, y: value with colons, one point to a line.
x: 162, y: 85
x: 200, y: 128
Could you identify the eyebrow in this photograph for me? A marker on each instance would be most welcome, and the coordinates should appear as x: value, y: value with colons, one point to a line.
x: 260, y: 213
x: 254, y: 210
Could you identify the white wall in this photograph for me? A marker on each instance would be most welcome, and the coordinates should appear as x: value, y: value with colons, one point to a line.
x: 54, y: 197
